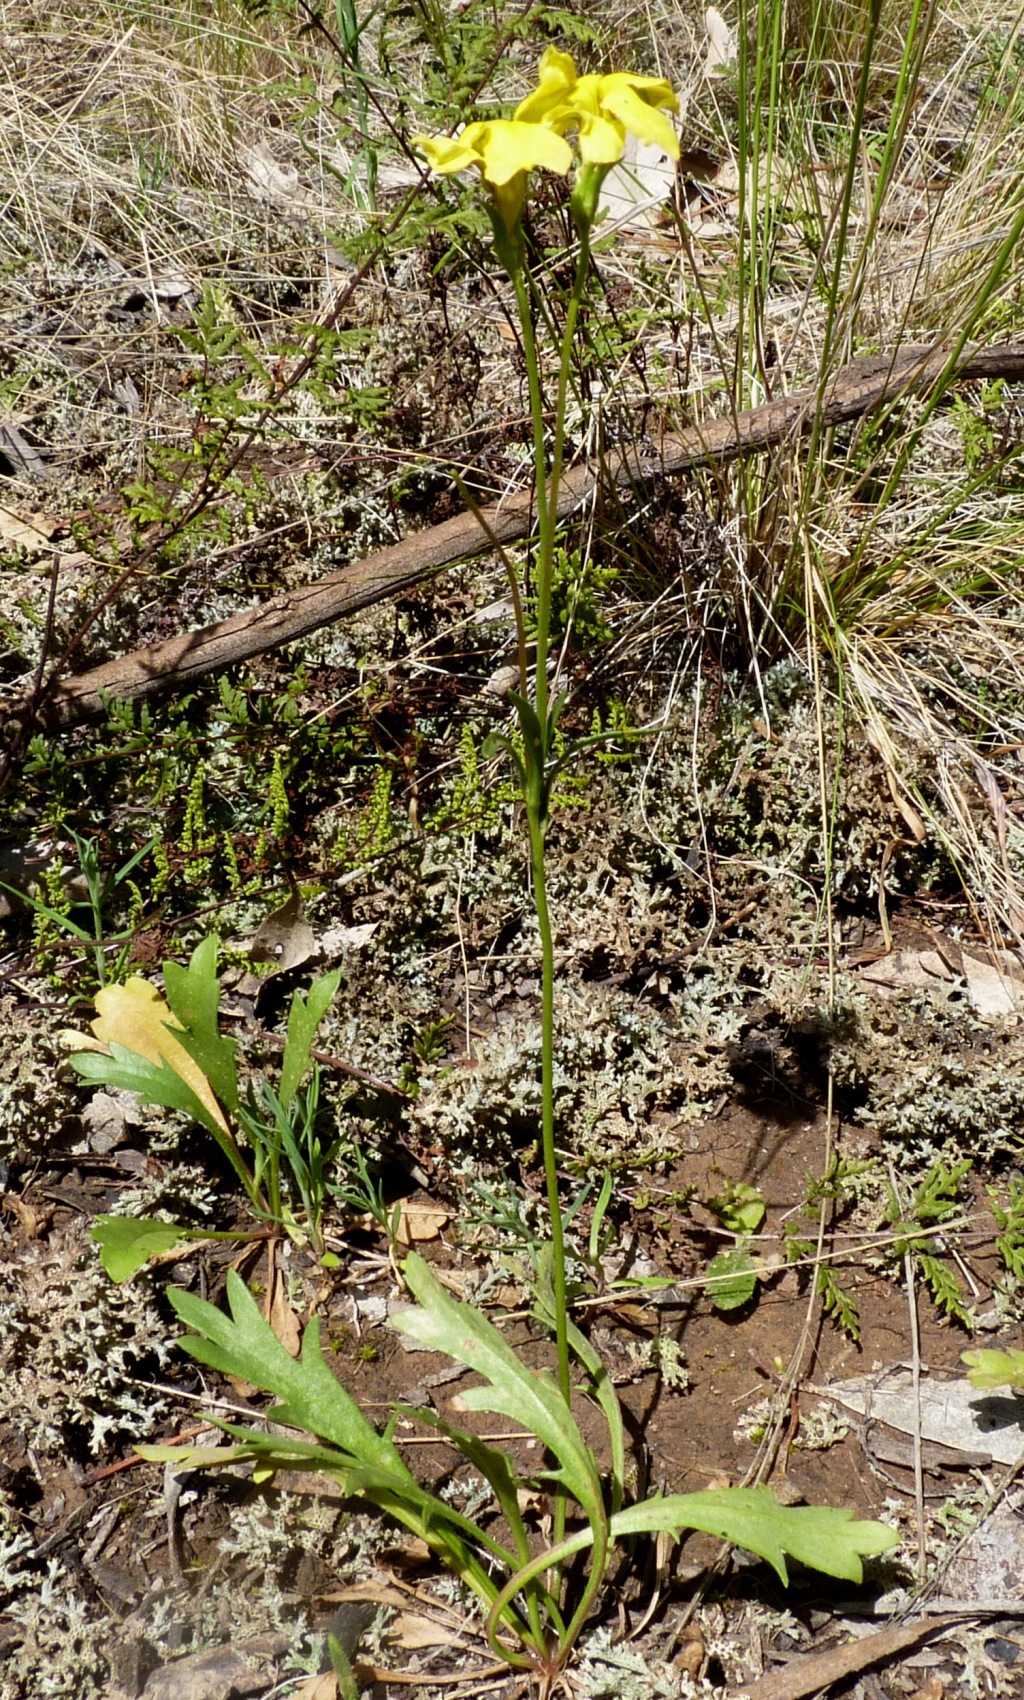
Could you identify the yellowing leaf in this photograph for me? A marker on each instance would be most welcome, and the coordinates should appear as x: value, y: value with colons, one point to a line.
x: 135, y: 1015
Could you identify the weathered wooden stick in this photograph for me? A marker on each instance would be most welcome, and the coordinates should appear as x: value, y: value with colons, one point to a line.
x: 174, y: 662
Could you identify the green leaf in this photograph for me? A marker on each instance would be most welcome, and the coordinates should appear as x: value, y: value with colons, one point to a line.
x: 243, y: 1344
x: 304, y: 1018
x: 368, y: 1464
x: 740, y: 1208
x: 499, y: 741
x: 341, y: 1665
x: 944, y: 1287
x: 995, y: 1369
x: 128, y: 1242
x: 194, y: 995
x: 836, y: 1301
x: 602, y: 1387
x: 450, y: 1534
x: 823, y: 1537
x: 192, y: 1457
x: 535, y: 755
x: 532, y: 1400
x: 155, y: 1083
x: 495, y: 1467
x: 730, y: 1279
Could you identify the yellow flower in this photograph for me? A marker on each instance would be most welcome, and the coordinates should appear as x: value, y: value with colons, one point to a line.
x: 504, y: 150
x: 601, y: 108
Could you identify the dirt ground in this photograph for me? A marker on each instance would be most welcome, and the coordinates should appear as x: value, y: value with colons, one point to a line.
x: 170, y: 1586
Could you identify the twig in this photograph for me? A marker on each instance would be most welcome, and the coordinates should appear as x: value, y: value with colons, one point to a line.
x: 811, y: 1672
x: 174, y: 662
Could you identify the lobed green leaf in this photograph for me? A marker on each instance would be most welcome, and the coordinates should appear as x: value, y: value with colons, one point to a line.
x: 128, y: 1242
x: 823, y: 1537
x: 530, y: 1399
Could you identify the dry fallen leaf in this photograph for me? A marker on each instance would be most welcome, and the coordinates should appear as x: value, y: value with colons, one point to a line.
x: 30, y: 1220
x: 420, y: 1222
x: 284, y: 937
x: 26, y: 460
x: 994, y: 992
x: 380, y: 1593
x: 29, y: 531
x: 692, y: 1654
x: 721, y: 43
x: 276, y: 183
x: 336, y: 940
x: 636, y: 189
x: 281, y: 1316
x: 322, y: 1687
x: 932, y: 1690
x: 135, y: 1015
x: 105, y: 1121
x: 953, y: 1414
x: 531, y: 1502
x: 908, y: 968
x: 412, y: 1630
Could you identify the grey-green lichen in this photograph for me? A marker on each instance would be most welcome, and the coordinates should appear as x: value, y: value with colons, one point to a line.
x: 61, y: 1641
x: 77, y: 1350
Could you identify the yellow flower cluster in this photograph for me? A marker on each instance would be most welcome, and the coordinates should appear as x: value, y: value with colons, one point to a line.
x: 600, y: 109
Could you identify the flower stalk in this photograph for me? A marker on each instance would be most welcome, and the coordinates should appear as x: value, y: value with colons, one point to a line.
x: 600, y: 109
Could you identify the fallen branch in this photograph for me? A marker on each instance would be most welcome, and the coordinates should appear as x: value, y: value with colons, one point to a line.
x: 174, y: 662
x: 809, y: 1673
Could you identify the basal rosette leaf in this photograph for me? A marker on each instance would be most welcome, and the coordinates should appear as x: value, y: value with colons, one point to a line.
x: 128, y: 1242
x: 823, y: 1537
x: 304, y: 1018
x: 194, y: 995
x: 133, y: 1021
x: 312, y: 1398
x: 511, y: 1389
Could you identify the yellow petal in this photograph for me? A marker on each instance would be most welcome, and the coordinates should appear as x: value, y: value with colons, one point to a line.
x: 556, y: 76
x: 653, y: 91
x: 134, y: 1015
x: 450, y: 153
x: 601, y: 140
x: 511, y: 146
x: 587, y: 95
x: 555, y: 66
x: 646, y: 122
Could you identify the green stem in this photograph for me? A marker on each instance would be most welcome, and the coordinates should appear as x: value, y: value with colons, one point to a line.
x: 547, y: 1070
x: 545, y: 563
x: 536, y: 792
x: 536, y: 806
x: 540, y: 464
